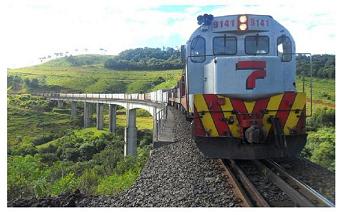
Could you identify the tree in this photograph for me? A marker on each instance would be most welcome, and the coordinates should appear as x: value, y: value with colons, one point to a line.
x: 108, y: 158
x: 146, y: 58
x: 70, y: 154
x: 87, y: 150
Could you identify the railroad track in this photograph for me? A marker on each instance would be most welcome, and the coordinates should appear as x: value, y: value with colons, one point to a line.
x: 299, y: 194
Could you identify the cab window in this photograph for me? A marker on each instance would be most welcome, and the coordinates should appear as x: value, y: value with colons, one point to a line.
x: 284, y: 48
x: 257, y: 45
x: 224, y: 45
x: 197, y: 50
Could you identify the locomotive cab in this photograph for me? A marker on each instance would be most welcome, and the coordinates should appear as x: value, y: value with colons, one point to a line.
x: 223, y: 59
x: 240, y: 88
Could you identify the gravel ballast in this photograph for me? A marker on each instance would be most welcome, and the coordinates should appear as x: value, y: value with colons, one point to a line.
x: 176, y: 175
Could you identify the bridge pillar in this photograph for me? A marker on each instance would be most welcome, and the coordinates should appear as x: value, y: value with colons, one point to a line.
x: 100, y: 116
x: 155, y: 127
x: 86, y: 114
x: 112, y: 118
x: 130, y: 146
x: 60, y: 103
x: 92, y: 109
x: 73, y: 109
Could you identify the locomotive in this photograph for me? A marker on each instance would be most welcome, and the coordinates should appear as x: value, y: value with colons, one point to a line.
x: 238, y: 88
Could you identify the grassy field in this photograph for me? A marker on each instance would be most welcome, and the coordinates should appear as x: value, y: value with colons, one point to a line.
x: 323, y: 92
x: 26, y: 124
x: 95, y: 78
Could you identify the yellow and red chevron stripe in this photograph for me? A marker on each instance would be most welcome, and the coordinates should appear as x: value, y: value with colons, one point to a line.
x: 221, y: 116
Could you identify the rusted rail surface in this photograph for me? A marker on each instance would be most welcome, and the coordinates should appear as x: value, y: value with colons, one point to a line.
x: 242, y: 186
x: 302, y: 194
x: 235, y: 185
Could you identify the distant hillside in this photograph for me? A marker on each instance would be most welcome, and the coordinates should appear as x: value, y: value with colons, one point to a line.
x: 86, y: 74
x: 79, y: 60
x: 146, y: 59
x: 96, y: 73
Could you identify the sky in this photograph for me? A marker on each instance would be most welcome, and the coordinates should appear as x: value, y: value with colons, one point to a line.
x: 32, y: 29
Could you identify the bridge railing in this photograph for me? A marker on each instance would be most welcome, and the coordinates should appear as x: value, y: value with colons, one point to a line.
x: 159, y: 96
x: 161, y: 116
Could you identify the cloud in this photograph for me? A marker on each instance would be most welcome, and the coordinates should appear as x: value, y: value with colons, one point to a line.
x: 37, y: 28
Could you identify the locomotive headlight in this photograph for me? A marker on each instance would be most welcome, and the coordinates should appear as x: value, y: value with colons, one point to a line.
x: 242, y: 19
x: 243, y: 27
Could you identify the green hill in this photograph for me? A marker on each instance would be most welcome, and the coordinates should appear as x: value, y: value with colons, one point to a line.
x: 86, y: 73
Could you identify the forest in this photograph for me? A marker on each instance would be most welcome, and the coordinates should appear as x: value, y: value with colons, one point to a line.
x: 146, y: 59
x: 323, y: 65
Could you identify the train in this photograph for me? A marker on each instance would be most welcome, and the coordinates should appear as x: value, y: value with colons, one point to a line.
x: 238, y: 88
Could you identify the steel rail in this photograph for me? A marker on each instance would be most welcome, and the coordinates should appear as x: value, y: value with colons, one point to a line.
x: 252, y: 195
x: 312, y: 195
x: 235, y: 185
x: 248, y: 186
x: 294, y: 195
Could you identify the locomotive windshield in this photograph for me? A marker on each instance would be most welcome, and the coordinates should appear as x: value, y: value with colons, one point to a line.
x: 224, y: 45
x: 256, y: 45
x: 197, y: 49
x: 284, y: 48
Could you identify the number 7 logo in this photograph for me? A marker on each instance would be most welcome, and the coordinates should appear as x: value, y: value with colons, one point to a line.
x: 258, y: 73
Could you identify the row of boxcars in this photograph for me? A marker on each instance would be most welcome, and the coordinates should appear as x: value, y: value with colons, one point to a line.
x: 159, y: 96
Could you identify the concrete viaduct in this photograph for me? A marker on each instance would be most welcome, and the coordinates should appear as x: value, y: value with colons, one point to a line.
x: 157, y: 109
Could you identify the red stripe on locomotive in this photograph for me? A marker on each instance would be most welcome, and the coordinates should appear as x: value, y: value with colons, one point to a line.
x: 258, y: 74
x: 250, y: 65
x: 260, y: 106
x: 217, y: 114
x: 198, y: 126
x: 285, y: 107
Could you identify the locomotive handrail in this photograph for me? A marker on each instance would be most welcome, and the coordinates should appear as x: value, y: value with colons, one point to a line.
x: 311, y: 79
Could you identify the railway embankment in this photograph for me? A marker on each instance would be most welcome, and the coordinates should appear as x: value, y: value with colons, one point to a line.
x: 178, y: 175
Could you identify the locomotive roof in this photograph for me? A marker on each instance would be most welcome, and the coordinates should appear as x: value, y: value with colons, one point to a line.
x: 232, y: 24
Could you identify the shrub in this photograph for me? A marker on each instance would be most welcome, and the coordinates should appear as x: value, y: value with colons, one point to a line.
x: 99, y: 144
x: 321, y: 118
x: 125, y: 165
x: 88, y: 181
x: 67, y: 183
x: 320, y: 148
x: 87, y: 150
x: 26, y: 176
x: 116, y: 183
x: 48, y: 158
x: 70, y: 154
x: 61, y: 110
x: 41, y: 139
x: 51, y: 148
x: 108, y: 158
x: 24, y: 149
